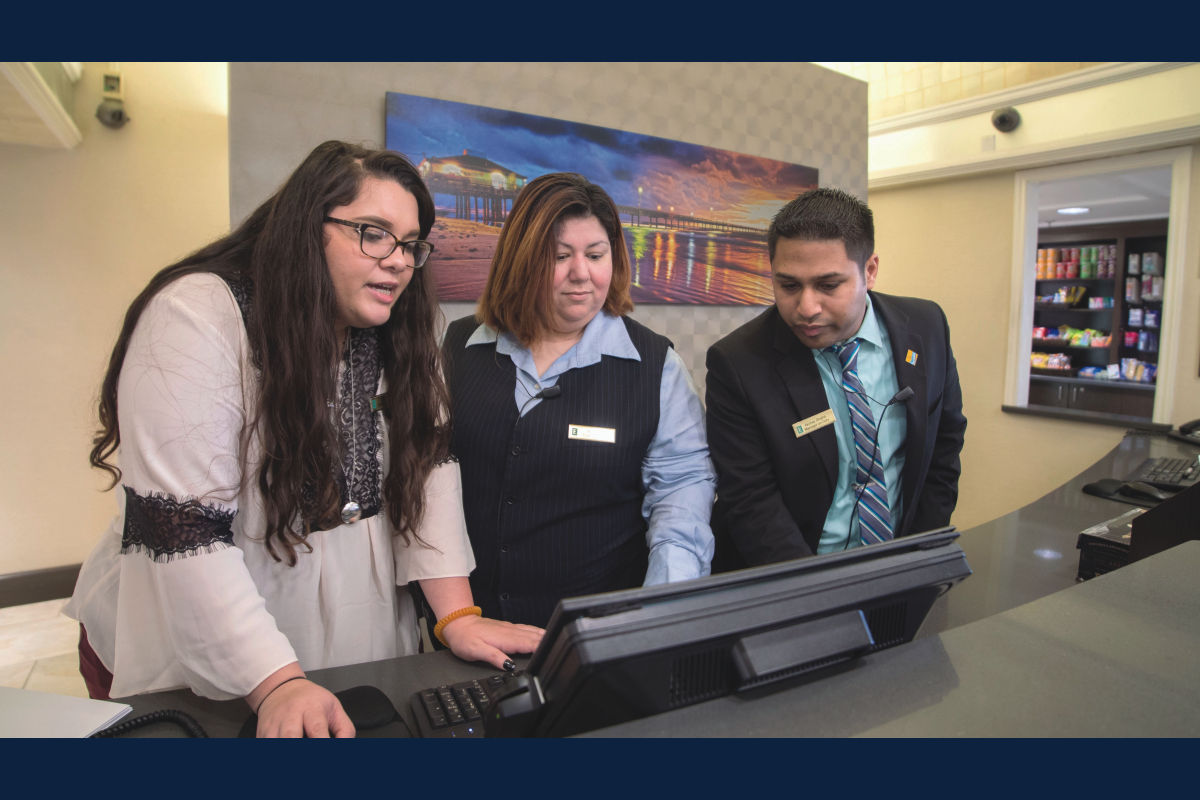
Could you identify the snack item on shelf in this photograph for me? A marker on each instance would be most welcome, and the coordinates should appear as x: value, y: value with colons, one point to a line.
x: 1133, y: 369
x: 1133, y: 290
x: 1056, y: 361
x: 1075, y: 337
x: 1135, y: 317
x: 1151, y: 264
x: 1069, y: 295
x: 1134, y: 265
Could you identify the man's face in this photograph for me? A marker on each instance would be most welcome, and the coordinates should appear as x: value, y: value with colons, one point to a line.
x: 819, y: 291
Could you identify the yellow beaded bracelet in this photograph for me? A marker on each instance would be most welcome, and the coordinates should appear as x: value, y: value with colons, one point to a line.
x: 453, y: 615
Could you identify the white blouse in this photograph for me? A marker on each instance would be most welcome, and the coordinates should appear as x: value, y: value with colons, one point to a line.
x: 201, y: 603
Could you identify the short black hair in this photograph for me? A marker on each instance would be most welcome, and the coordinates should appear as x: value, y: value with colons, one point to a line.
x: 824, y: 214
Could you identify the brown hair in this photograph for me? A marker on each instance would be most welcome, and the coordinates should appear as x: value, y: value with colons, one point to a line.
x: 279, y: 252
x: 517, y: 295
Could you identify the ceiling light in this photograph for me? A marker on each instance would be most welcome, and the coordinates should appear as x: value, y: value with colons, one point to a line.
x: 1074, y: 210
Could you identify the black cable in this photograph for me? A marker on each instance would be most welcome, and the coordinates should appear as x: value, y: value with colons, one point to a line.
x: 192, y: 728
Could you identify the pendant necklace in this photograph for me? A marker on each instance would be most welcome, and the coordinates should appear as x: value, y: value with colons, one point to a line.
x: 351, y: 512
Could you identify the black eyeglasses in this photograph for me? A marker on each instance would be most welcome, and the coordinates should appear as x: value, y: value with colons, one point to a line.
x: 378, y: 242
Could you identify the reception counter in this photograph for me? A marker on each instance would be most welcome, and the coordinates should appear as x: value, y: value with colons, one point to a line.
x: 1020, y: 648
x: 1031, y: 552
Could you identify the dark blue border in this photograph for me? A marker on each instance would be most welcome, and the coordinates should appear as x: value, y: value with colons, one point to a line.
x: 610, y: 768
x: 542, y: 31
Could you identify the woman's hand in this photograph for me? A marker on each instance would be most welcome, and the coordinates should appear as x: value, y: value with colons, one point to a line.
x: 474, y: 638
x: 291, y: 706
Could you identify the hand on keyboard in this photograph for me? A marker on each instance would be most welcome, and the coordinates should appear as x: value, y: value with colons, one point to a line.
x: 490, y: 640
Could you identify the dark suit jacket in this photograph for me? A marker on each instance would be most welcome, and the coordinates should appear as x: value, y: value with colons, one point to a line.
x: 774, y: 489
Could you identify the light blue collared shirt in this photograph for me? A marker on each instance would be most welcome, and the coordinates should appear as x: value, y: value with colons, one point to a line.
x: 877, y: 372
x: 677, y: 473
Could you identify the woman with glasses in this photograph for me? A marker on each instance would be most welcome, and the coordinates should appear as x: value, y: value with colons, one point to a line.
x: 580, y: 436
x: 284, y: 465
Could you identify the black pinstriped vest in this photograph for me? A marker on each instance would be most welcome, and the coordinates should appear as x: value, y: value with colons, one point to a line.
x: 549, y: 516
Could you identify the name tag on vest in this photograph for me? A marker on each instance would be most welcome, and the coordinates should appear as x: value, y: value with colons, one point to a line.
x: 589, y: 434
x: 807, y: 426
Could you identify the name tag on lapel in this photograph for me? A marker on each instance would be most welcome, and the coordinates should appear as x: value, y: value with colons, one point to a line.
x: 815, y: 422
x: 588, y: 433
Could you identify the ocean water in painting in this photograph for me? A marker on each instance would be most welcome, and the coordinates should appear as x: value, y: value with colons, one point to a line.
x: 695, y: 217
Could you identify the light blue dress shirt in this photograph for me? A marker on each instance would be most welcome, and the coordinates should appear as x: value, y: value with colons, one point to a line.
x: 677, y: 472
x: 877, y: 372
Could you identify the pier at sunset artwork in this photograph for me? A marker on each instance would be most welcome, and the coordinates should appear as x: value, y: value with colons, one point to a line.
x: 695, y: 217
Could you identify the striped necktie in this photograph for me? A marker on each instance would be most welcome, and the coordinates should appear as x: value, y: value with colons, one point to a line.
x: 870, y: 486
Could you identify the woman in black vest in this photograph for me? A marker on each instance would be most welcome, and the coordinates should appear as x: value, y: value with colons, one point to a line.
x: 579, y: 433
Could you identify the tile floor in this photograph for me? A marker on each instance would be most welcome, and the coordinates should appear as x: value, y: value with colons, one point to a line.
x: 39, y: 649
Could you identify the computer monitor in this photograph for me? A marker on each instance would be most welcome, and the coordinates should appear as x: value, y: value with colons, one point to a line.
x: 613, y: 657
x: 1171, y: 522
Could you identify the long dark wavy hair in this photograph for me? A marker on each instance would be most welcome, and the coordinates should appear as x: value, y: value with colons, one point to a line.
x: 279, y: 250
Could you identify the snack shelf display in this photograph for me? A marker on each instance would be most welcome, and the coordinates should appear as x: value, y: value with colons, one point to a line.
x: 1097, y: 316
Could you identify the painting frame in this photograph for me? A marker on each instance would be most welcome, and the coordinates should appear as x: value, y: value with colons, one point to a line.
x: 695, y: 217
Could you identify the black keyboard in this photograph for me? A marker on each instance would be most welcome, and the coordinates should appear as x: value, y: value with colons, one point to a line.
x: 1171, y: 474
x: 455, y: 710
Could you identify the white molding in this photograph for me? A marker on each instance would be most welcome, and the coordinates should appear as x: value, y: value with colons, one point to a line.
x: 1173, y: 287
x: 1020, y: 311
x: 1038, y: 90
x: 73, y: 69
x: 37, y: 93
x: 1153, y: 136
x: 1025, y: 235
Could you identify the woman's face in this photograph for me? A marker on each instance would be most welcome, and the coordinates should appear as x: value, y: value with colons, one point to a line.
x: 367, y: 288
x: 582, y: 272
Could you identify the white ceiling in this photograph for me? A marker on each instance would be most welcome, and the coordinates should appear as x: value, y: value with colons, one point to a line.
x: 1111, y: 197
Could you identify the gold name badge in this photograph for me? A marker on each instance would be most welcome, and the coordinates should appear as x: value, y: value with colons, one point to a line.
x: 815, y: 422
x: 589, y: 434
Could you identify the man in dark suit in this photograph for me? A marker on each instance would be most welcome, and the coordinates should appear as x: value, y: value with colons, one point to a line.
x: 835, y: 417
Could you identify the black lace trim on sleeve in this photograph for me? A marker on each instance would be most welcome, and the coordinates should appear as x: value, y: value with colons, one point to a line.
x: 164, y: 528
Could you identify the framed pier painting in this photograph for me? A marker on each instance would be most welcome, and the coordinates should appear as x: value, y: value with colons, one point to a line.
x: 695, y: 217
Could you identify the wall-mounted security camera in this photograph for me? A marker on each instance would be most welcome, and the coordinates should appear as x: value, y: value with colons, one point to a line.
x: 1006, y: 119
x: 111, y: 113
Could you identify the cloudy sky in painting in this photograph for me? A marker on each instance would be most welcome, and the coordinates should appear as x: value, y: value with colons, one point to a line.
x: 693, y: 179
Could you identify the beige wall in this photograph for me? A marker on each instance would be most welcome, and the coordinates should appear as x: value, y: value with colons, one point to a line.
x: 952, y: 242
x: 83, y: 230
